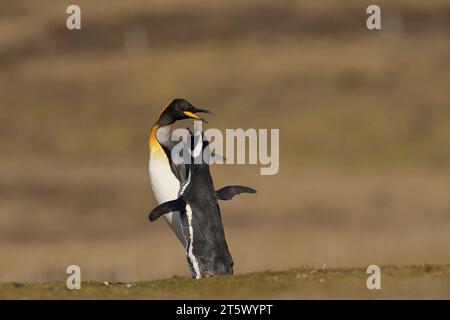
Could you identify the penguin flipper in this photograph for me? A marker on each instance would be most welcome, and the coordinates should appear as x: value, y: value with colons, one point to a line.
x: 227, y: 193
x: 178, y: 170
x: 166, y: 207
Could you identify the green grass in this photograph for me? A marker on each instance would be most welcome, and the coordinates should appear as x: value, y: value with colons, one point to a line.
x: 409, y: 282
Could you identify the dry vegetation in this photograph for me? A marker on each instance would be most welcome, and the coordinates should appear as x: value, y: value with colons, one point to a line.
x: 364, y: 120
x: 406, y: 282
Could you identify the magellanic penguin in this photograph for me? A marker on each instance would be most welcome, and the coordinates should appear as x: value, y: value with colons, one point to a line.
x: 206, y: 248
x: 165, y: 176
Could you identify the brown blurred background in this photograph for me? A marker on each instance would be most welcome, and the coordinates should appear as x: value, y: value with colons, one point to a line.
x: 364, y: 120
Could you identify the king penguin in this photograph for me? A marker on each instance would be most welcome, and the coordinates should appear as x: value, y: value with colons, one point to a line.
x: 165, y: 176
x: 206, y: 248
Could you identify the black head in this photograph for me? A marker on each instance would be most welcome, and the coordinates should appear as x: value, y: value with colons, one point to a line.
x: 199, y: 143
x: 199, y: 153
x: 179, y: 109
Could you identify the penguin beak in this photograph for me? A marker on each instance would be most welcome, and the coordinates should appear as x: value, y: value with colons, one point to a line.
x: 193, y: 115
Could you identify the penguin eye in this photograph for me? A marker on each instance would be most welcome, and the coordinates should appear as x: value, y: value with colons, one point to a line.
x: 180, y: 107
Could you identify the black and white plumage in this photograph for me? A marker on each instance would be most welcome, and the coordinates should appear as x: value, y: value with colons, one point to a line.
x: 207, y: 251
x: 165, y: 176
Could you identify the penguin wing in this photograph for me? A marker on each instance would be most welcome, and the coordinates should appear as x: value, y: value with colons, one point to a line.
x: 179, y: 170
x: 227, y: 193
x: 166, y: 207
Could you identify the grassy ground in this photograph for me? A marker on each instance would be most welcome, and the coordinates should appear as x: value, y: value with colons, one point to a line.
x: 409, y: 282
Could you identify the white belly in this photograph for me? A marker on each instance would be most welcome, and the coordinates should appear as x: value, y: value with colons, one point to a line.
x: 165, y: 187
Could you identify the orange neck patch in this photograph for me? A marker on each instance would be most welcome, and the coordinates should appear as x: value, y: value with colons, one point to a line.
x: 153, y: 143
